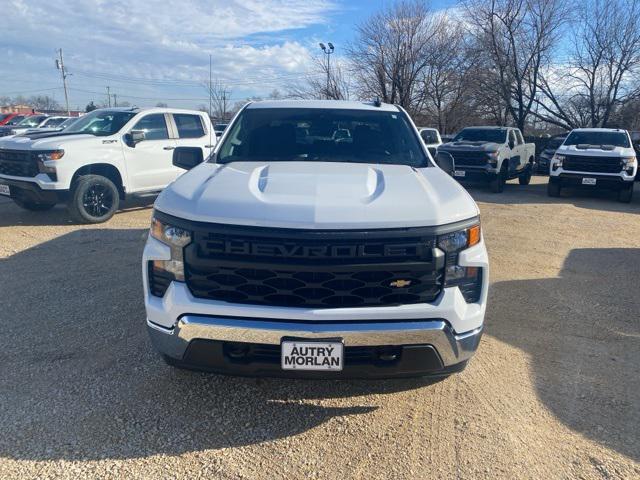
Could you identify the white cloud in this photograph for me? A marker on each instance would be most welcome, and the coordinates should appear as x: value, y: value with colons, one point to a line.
x: 250, y: 40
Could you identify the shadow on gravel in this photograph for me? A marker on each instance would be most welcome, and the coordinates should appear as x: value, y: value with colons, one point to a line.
x: 12, y: 215
x: 582, y: 331
x: 536, y: 193
x: 79, y: 380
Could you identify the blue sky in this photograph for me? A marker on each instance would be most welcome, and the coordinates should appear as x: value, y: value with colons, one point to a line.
x: 153, y: 51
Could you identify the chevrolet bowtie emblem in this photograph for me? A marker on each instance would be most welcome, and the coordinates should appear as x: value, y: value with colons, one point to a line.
x: 400, y: 283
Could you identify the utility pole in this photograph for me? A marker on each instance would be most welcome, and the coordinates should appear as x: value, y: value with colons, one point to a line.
x: 115, y: 99
x: 63, y: 72
x: 210, y: 91
x: 328, y: 50
x: 108, y: 96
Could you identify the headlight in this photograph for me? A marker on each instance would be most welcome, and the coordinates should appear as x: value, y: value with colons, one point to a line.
x: 629, y: 162
x: 493, y: 158
x: 556, y: 161
x: 52, y: 155
x: 163, y: 272
x: 468, y: 279
x: 45, y: 157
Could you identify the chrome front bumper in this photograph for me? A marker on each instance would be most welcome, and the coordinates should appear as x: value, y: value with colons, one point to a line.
x: 451, y: 347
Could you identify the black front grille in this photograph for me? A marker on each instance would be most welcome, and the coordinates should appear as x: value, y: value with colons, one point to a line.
x: 264, y: 353
x: 580, y: 163
x: 320, y: 269
x: 471, y: 158
x: 18, y: 163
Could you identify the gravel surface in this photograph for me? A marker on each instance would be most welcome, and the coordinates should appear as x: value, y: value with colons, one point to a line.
x: 553, y: 391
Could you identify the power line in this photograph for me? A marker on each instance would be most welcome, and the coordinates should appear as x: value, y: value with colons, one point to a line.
x: 176, y: 82
x: 32, y: 91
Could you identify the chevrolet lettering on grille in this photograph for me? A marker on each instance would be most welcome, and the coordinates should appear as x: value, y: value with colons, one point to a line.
x: 235, y: 247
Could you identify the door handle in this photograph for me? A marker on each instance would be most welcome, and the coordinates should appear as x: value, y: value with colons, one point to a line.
x: 168, y: 148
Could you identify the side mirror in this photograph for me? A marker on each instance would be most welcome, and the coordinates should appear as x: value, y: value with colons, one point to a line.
x: 137, y: 136
x: 187, y: 157
x: 445, y: 161
x: 134, y: 137
x: 511, y: 144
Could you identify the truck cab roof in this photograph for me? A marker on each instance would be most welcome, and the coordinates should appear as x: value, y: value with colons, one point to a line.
x: 333, y: 104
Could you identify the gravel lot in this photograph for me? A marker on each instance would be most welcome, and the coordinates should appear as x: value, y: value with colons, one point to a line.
x: 552, y: 393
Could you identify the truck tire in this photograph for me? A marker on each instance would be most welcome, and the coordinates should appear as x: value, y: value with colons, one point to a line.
x: 525, y: 177
x: 497, y: 184
x: 94, y: 199
x: 553, y: 189
x: 625, y: 194
x: 33, y: 206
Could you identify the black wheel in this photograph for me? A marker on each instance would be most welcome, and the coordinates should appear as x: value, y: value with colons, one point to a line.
x: 553, y: 189
x: 525, y: 177
x: 94, y: 199
x: 626, y: 194
x: 33, y: 206
x: 497, y: 184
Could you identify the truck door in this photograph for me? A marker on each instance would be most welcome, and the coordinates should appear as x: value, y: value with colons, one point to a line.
x: 191, y: 131
x: 522, y: 150
x: 149, y: 161
x: 514, y: 163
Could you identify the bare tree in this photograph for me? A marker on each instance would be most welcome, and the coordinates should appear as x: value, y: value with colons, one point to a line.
x: 43, y: 102
x: 518, y: 37
x: 391, y: 52
x: 221, y: 100
x: 601, y: 74
x: 323, y: 82
x: 450, y: 80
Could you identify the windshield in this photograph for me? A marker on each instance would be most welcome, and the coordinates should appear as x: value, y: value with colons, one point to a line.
x: 67, y: 122
x: 323, y: 135
x: 494, y: 135
x: 15, y: 120
x: 598, y: 139
x: 100, y: 123
x: 53, y: 122
x: 554, y: 143
x: 30, y: 122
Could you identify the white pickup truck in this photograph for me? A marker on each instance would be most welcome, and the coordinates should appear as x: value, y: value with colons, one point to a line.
x: 492, y: 154
x: 319, y: 239
x: 595, y: 158
x: 100, y: 159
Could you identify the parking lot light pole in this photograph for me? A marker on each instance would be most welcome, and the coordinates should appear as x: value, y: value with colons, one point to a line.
x: 328, y: 50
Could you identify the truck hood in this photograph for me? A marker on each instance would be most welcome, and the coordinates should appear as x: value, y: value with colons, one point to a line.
x: 595, y: 151
x: 467, y: 146
x: 44, y: 141
x: 317, y: 195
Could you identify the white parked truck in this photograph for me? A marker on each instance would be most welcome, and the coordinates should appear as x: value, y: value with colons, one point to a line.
x: 491, y: 154
x: 595, y: 158
x: 293, y: 251
x: 100, y: 159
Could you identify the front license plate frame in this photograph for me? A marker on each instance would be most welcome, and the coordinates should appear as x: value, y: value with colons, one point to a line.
x: 325, y: 355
